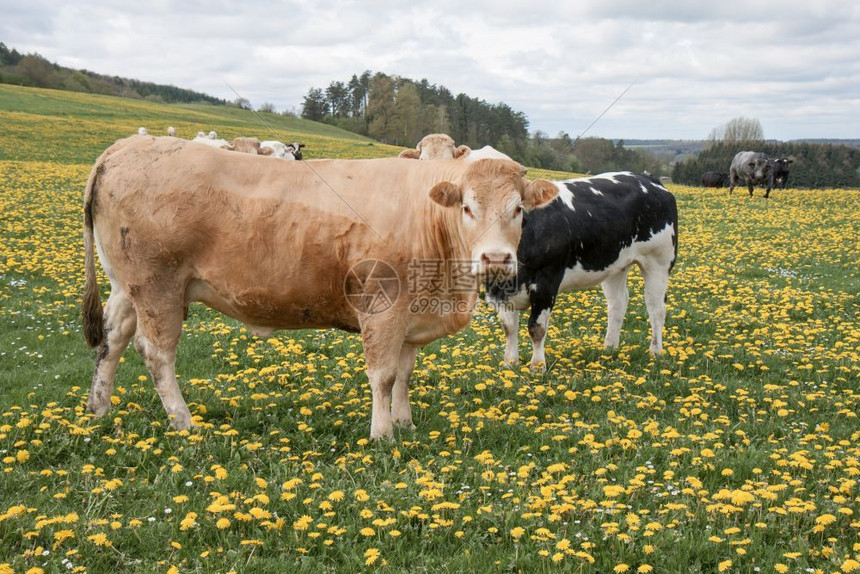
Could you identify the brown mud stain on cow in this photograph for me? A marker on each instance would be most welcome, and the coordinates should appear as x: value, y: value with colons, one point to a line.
x: 124, y: 241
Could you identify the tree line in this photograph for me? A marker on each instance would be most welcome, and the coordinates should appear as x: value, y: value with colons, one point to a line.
x: 813, y: 165
x: 34, y: 70
x: 401, y: 111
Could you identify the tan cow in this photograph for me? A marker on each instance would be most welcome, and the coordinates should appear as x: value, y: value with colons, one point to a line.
x: 249, y: 145
x: 441, y: 146
x: 435, y: 146
x: 279, y: 245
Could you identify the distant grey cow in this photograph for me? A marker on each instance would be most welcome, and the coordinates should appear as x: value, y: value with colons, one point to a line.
x: 752, y: 168
x: 780, y: 171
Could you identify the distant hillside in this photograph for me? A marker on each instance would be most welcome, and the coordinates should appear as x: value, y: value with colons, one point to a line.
x: 34, y: 70
x: 62, y: 127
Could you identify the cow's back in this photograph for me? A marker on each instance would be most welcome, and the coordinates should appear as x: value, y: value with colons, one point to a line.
x: 594, y: 218
x: 741, y: 162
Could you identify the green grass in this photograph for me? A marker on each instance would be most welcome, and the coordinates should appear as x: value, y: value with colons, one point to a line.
x: 743, y: 436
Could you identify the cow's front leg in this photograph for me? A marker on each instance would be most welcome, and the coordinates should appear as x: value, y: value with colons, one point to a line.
x: 382, y: 352
x: 401, y: 411
x: 751, y: 187
x: 510, y: 319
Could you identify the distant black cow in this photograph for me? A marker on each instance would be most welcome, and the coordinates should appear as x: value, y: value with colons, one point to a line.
x: 751, y: 168
x: 780, y: 172
x: 590, y: 235
x: 714, y: 179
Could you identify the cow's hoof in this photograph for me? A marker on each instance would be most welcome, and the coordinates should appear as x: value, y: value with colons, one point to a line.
x: 405, y: 424
x: 181, y: 422
x: 98, y: 410
x: 511, y: 363
x: 538, y: 368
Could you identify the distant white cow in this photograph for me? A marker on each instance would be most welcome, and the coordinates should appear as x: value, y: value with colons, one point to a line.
x: 171, y: 131
x: 206, y: 140
x: 141, y: 131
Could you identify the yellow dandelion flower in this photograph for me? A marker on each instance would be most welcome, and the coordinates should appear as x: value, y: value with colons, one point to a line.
x: 371, y: 555
x: 724, y: 565
x: 621, y: 568
x: 99, y: 539
x: 645, y: 568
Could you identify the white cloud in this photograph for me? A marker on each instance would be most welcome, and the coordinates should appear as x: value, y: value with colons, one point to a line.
x: 793, y: 65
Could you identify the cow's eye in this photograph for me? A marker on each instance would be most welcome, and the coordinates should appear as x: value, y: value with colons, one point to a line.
x: 518, y: 210
x: 467, y: 210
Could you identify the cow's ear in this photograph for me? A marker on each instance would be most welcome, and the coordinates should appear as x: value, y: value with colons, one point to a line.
x: 410, y: 154
x: 462, y: 151
x: 788, y: 160
x: 538, y: 193
x: 446, y: 194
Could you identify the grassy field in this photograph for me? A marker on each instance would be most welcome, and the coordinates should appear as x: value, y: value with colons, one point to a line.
x: 738, y: 450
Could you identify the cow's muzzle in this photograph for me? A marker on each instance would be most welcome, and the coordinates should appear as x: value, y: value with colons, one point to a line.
x: 496, y: 264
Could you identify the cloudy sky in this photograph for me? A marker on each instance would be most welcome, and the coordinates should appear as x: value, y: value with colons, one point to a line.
x: 793, y: 65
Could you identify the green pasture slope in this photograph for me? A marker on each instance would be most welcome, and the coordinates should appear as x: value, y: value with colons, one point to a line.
x: 738, y: 450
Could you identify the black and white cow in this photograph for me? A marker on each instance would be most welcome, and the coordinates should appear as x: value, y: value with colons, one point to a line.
x: 751, y: 168
x: 591, y: 234
x: 780, y: 171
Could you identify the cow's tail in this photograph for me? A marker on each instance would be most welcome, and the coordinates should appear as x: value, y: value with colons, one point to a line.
x: 91, y: 307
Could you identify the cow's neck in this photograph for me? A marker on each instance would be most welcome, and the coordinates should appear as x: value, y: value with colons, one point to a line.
x: 443, y: 240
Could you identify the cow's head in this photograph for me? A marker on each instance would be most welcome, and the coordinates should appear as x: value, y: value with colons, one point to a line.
x: 491, y: 199
x: 781, y: 164
x: 436, y: 146
x: 295, y: 149
x: 760, y: 167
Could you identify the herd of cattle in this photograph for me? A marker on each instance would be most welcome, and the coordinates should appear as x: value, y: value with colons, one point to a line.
x: 750, y: 168
x: 276, y: 245
x: 253, y: 146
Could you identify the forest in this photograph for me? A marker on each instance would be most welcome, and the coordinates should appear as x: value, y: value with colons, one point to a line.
x: 400, y: 111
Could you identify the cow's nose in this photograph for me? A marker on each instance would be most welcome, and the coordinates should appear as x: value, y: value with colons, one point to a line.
x: 498, y: 262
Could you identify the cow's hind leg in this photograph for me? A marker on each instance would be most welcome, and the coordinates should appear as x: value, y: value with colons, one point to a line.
x: 159, y: 324
x: 615, y: 291
x: 119, y: 325
x: 656, y: 281
x: 401, y: 410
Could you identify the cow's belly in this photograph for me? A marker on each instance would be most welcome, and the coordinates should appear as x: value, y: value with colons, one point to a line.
x: 658, y: 247
x: 578, y: 277
x: 263, y: 313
